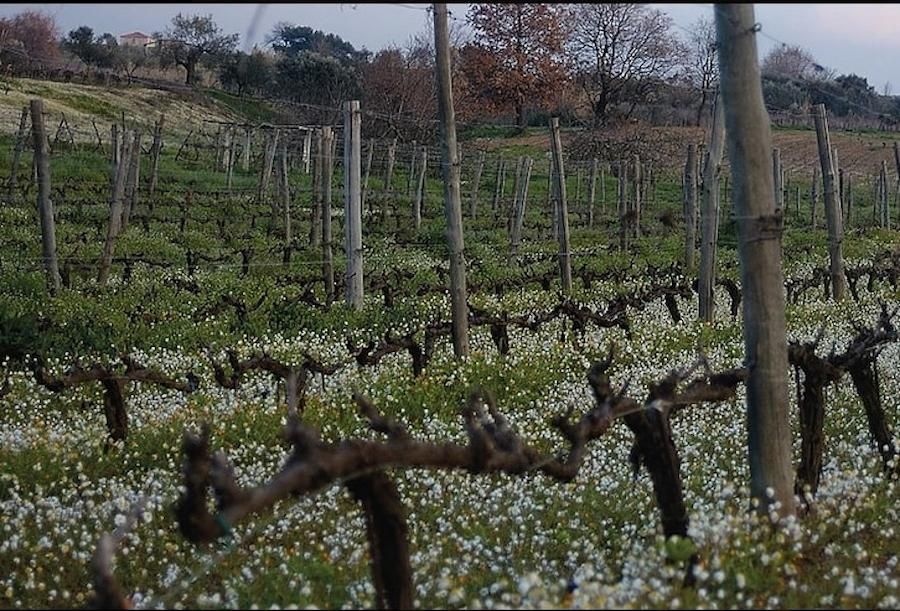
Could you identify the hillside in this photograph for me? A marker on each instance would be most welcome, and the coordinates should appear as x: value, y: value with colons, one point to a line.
x: 141, y: 105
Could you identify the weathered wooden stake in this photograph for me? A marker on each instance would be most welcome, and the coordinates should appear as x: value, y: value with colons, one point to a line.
x: 592, y: 192
x: 420, y: 187
x: 778, y: 176
x: 476, y: 183
x: 759, y: 249
x: 690, y: 208
x: 353, y: 204
x: 450, y: 167
x: 710, y: 213
x: 133, y: 180
x: 565, y: 266
x: 521, y: 197
x: 21, y: 139
x: 327, y: 252
x: 365, y: 184
x: 155, y: 153
x: 315, y: 226
x: 389, y: 174
x: 45, y: 205
x: 832, y: 207
x: 115, y: 211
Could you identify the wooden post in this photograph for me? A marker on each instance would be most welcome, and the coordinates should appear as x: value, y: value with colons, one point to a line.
x: 832, y: 207
x: 849, y: 206
x: 603, y: 189
x: 133, y: 180
x: 315, y: 220
x: 286, y: 200
x: 115, y: 210
x: 327, y: 253
x: 412, y: 168
x: 21, y: 138
x: 498, y: 184
x: 420, y: 186
x: 45, y: 205
x: 265, y: 172
x: 450, y: 166
x: 155, y: 154
x: 307, y: 150
x: 476, y: 183
x: 245, y: 153
x: 389, y: 174
x: 885, y: 217
x: 519, y: 213
x: 690, y: 208
x: 592, y: 192
x: 511, y: 209
x: 814, y: 196
x: 777, y: 175
x: 352, y: 204
x: 624, y: 216
x: 636, y: 197
x: 709, y: 214
x: 759, y: 249
x: 565, y: 266
x: 365, y: 184
x: 229, y: 156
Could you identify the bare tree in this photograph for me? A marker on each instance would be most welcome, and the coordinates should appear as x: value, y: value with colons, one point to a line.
x: 794, y: 62
x: 191, y: 39
x: 702, y: 66
x: 619, y: 51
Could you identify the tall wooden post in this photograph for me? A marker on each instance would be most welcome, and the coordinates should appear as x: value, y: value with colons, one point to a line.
x: 245, y: 153
x: 315, y: 214
x: 565, y: 265
x: 365, y: 184
x: 420, y: 186
x: 759, y: 249
x: 592, y: 192
x: 413, y: 151
x: 884, y: 214
x: 519, y: 212
x: 690, y: 208
x: 832, y: 207
x: 552, y: 201
x: 286, y: 200
x: 115, y: 210
x: 229, y: 157
x: 307, y: 150
x: 21, y: 136
x: 814, y: 197
x: 389, y: 172
x: 476, y: 183
x: 155, y: 153
x: 133, y: 179
x: 450, y: 166
x: 353, y: 204
x: 624, y: 213
x: 777, y: 176
x: 709, y: 214
x: 498, y: 184
x: 45, y: 205
x: 327, y: 252
x: 636, y: 197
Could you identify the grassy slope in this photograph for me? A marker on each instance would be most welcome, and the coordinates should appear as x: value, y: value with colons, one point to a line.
x: 82, y: 103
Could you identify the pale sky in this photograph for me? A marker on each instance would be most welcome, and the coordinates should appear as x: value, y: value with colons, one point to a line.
x: 851, y: 38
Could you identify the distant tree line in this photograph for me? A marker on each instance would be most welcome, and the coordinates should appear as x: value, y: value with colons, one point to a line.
x: 591, y: 64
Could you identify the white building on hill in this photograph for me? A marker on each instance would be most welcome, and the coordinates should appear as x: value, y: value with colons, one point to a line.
x: 135, y: 39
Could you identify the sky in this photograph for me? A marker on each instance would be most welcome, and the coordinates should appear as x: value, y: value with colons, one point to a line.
x: 850, y: 38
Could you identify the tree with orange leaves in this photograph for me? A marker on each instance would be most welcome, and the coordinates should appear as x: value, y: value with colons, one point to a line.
x: 517, y: 57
